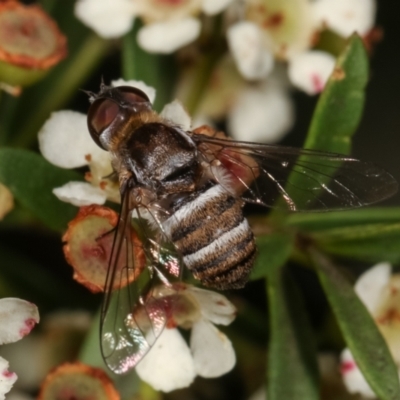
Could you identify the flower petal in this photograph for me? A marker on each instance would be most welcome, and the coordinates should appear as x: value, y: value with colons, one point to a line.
x: 288, y: 24
x: 64, y: 140
x: 166, y: 37
x: 212, y: 351
x: 345, y: 16
x: 309, y: 71
x: 214, y: 306
x: 176, y: 113
x: 80, y: 194
x: 261, y: 114
x: 352, y: 376
x: 149, y: 90
x: 108, y: 18
x: 212, y: 7
x: 17, y: 318
x: 169, y: 364
x: 7, y: 378
x: 247, y: 47
x: 6, y: 201
x: 370, y: 285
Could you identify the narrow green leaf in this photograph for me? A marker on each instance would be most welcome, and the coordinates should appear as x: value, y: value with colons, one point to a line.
x: 370, y: 243
x: 369, y: 235
x: 31, y: 179
x: 336, y: 116
x: 292, y: 366
x: 359, y: 330
x: 312, y: 222
x: 273, y: 251
x: 150, y: 68
x: 340, y: 106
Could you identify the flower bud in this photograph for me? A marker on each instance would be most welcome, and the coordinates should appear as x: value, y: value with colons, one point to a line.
x: 30, y: 43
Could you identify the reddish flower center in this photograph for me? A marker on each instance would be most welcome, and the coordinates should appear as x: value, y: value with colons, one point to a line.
x: 172, y: 3
x: 317, y: 83
x: 347, y: 366
x: 29, y: 324
x: 8, y: 374
x: 274, y: 20
x: 391, y: 316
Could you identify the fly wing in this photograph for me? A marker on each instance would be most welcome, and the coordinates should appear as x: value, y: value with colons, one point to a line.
x: 132, y: 316
x: 295, y: 179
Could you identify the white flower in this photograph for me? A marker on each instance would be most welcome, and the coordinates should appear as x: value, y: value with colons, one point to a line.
x: 261, y: 112
x: 380, y: 293
x: 17, y: 318
x: 273, y: 30
x: 169, y: 25
x: 287, y: 25
x: 310, y: 70
x: 64, y: 140
x: 287, y: 29
x: 264, y: 113
x: 345, y: 16
x: 47, y: 348
x: 176, y: 113
x: 253, y: 60
x: 171, y: 364
x: 108, y: 18
x: 168, y: 36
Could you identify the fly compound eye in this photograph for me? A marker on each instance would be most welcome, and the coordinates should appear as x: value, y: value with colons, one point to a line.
x: 132, y: 95
x: 101, y: 115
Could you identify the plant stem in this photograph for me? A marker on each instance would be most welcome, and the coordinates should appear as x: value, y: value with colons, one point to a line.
x: 201, y: 78
x: 157, y: 70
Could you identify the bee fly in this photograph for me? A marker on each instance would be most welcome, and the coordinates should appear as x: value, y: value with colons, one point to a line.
x: 185, y: 191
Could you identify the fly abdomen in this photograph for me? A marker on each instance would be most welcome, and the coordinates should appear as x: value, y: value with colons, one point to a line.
x: 214, y: 238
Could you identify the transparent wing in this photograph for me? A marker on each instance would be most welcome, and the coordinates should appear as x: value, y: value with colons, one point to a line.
x: 296, y: 179
x: 133, y: 315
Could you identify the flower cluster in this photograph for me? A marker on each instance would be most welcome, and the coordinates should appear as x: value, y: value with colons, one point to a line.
x: 259, y: 33
x: 170, y: 24
x: 273, y: 45
x: 171, y: 364
x: 288, y: 30
x: 380, y: 293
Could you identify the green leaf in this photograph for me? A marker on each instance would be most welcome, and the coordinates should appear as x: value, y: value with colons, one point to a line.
x: 369, y: 235
x: 292, y: 366
x: 31, y: 179
x: 273, y: 251
x: 335, y: 118
x: 359, y: 330
x: 153, y: 69
x: 340, y: 106
x: 370, y: 243
x: 312, y: 222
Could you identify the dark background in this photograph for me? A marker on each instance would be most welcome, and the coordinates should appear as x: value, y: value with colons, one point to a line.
x: 378, y: 137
